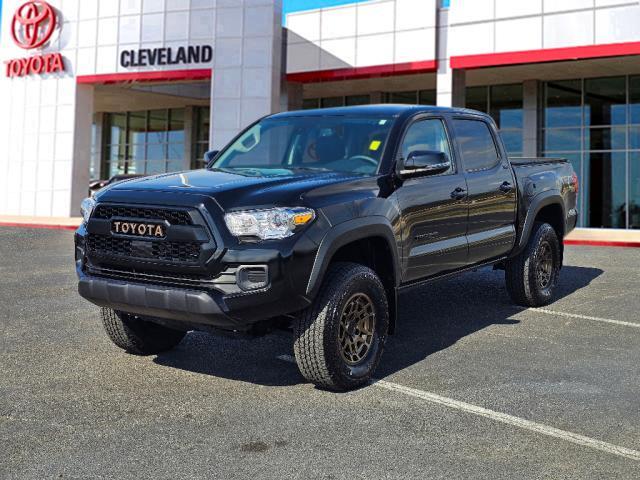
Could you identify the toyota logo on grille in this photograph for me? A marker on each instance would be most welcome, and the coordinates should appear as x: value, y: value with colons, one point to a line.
x: 33, y: 24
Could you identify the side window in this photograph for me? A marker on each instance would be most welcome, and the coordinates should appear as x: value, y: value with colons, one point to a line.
x: 476, y: 144
x: 427, y: 135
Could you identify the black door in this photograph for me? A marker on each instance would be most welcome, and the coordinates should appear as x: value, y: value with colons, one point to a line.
x: 433, y: 208
x: 492, y: 190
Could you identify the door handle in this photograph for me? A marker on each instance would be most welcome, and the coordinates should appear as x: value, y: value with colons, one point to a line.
x: 506, y: 187
x: 459, y: 193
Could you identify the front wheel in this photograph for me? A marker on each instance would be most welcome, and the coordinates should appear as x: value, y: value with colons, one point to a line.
x: 138, y: 336
x: 532, y: 275
x: 340, y: 338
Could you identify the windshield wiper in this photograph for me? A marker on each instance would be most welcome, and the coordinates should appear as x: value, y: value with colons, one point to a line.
x: 312, y: 169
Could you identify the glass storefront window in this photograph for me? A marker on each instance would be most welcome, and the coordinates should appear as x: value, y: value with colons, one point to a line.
x: 118, y: 128
x: 563, y: 104
x: 477, y: 98
x: 634, y: 100
x: 351, y: 100
x: 310, y: 103
x: 603, y: 143
x: 634, y: 190
x: 505, y: 106
x: 427, y: 97
x: 331, y: 102
x: 150, y: 141
x: 137, y: 127
x: 609, y: 138
x: 606, y: 190
x: 634, y: 138
x: 562, y: 139
x: 176, y: 125
x: 202, y: 119
x: 605, y: 101
x: 157, y: 128
x: 405, y: 98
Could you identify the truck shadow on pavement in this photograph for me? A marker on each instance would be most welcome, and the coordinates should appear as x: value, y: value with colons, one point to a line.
x: 431, y: 318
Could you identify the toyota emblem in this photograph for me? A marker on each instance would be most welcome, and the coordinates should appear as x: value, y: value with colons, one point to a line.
x: 33, y: 24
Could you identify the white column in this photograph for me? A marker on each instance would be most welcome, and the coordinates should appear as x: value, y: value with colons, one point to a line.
x: 247, y: 66
x: 530, y: 90
x: 450, y: 84
x: 83, y: 120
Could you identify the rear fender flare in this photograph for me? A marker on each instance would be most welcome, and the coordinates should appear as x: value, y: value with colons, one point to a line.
x: 551, y: 197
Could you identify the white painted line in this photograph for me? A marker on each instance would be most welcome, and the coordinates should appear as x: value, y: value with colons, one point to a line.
x: 502, y: 417
x: 514, y: 421
x: 585, y: 317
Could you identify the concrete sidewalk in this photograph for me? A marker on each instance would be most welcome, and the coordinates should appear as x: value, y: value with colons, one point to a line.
x: 580, y: 236
x: 65, y: 223
x: 604, y: 237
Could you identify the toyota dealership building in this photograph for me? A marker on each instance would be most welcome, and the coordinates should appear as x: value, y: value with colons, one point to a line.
x: 90, y: 89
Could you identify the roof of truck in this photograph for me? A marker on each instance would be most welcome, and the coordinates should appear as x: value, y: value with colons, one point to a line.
x: 381, y: 109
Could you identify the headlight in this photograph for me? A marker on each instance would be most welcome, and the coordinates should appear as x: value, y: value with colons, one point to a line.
x: 274, y: 223
x: 86, y: 207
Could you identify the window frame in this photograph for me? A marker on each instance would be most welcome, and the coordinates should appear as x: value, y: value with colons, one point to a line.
x: 421, y: 118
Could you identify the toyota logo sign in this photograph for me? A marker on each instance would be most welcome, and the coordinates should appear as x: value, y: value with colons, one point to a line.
x: 33, y: 24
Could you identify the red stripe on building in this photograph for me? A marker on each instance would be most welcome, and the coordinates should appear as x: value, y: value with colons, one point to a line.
x: 427, y: 66
x: 546, y: 55
x: 156, y: 76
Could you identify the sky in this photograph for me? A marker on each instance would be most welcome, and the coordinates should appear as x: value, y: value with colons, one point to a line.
x: 299, y: 5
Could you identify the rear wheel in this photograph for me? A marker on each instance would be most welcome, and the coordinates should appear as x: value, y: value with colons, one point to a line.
x: 532, y: 275
x: 339, y: 339
x: 138, y: 336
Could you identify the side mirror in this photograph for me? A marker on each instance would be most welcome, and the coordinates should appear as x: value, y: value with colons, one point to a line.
x: 209, y: 156
x: 425, y: 162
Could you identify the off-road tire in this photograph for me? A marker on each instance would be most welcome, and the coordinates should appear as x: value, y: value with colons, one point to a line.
x: 521, y: 272
x: 316, y: 331
x: 138, y: 336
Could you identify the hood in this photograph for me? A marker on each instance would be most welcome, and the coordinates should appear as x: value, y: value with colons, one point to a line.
x: 244, y: 188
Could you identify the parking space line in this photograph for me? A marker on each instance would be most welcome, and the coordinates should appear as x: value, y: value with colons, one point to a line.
x: 585, y: 317
x: 502, y: 417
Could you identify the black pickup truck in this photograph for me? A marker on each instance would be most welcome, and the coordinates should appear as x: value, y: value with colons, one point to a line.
x: 314, y: 221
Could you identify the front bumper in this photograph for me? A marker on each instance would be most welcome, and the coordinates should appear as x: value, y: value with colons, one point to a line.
x: 209, y: 293
x: 155, y: 301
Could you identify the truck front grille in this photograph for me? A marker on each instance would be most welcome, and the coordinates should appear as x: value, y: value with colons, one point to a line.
x: 158, y: 250
x: 187, y: 243
x: 174, y: 217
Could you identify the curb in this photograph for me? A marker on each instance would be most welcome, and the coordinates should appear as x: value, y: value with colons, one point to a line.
x: 602, y: 243
x: 38, y: 225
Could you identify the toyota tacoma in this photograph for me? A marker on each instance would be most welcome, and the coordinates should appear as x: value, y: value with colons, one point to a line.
x: 314, y: 221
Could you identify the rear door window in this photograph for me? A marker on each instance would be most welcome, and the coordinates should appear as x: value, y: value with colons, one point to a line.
x: 477, y: 147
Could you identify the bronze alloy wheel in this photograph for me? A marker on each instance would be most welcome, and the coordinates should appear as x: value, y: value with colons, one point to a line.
x: 357, y: 327
x: 544, y: 265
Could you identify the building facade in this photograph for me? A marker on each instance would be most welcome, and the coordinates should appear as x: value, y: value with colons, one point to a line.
x: 96, y: 88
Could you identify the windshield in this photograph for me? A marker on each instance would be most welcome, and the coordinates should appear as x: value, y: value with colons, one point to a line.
x: 330, y: 143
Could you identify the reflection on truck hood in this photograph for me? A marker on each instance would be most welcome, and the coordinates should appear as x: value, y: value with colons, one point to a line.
x: 249, y: 187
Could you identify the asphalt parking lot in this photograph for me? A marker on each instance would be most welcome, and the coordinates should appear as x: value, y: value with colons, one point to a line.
x: 471, y: 387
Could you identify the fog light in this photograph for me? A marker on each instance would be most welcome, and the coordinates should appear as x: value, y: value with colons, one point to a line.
x: 252, y: 277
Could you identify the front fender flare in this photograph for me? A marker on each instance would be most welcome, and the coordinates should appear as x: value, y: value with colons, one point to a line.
x: 345, y: 233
